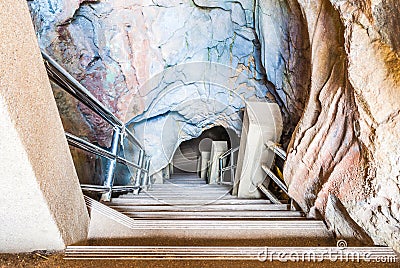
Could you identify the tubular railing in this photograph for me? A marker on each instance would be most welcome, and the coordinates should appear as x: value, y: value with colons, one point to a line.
x: 271, y: 175
x: 276, y: 149
x: 231, y: 167
x: 282, y: 154
x: 64, y: 80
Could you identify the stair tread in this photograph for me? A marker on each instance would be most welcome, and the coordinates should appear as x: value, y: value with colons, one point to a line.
x: 215, y: 214
x: 244, y: 207
x: 232, y: 224
x: 151, y: 201
x: 218, y: 253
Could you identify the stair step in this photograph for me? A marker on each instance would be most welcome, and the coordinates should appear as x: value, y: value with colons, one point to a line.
x: 178, y: 197
x: 168, y: 185
x: 187, y: 179
x: 106, y: 231
x: 189, y: 190
x: 199, y: 208
x: 151, y: 201
x: 234, y: 224
x: 185, y: 182
x: 174, y: 187
x: 225, y: 253
x: 178, y: 177
x: 188, y: 194
x: 215, y: 214
x: 184, y: 160
x: 183, y: 193
x: 181, y: 199
x: 182, y: 178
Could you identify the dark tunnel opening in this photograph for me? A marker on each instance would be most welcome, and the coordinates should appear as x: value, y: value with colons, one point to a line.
x: 186, y: 157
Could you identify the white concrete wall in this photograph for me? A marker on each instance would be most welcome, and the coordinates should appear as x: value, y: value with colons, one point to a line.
x: 41, y: 204
x: 262, y: 122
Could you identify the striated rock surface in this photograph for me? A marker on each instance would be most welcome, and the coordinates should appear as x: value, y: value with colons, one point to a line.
x: 372, y: 43
x: 324, y: 154
x: 346, y: 143
x: 343, y: 226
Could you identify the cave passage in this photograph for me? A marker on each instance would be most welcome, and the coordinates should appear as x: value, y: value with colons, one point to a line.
x: 186, y: 157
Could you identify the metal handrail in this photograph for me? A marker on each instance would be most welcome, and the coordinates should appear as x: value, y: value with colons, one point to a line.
x: 133, y: 138
x: 231, y: 150
x: 104, y: 189
x: 276, y: 149
x: 63, y: 79
x: 87, y: 146
x: 97, y: 150
x: 278, y: 182
x: 72, y: 86
x: 231, y: 166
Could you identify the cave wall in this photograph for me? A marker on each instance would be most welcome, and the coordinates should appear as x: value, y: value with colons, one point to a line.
x: 346, y: 142
x: 372, y: 44
x: 137, y: 58
x: 285, y: 55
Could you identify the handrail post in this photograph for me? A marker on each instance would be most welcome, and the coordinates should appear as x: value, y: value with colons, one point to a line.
x: 139, y: 172
x: 146, y: 181
x: 231, y: 164
x: 221, y: 172
x: 110, y: 167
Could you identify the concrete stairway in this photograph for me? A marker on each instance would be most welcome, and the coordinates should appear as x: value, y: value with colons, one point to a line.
x: 186, y: 222
x: 187, y: 212
x: 190, y: 198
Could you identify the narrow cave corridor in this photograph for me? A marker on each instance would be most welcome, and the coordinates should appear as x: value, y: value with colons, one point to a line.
x: 187, y: 156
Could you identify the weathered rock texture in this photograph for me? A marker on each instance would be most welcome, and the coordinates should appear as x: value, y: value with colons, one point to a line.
x: 343, y: 226
x: 187, y: 99
x: 119, y: 49
x: 347, y: 140
x: 285, y: 55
